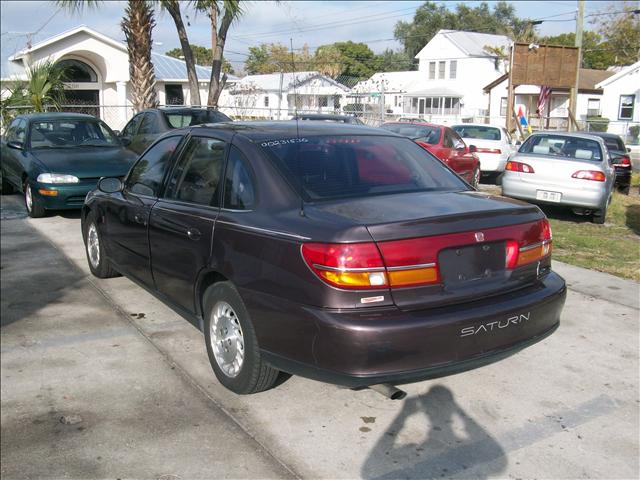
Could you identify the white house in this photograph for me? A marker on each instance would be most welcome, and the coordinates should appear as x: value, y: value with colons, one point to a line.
x: 100, y: 73
x: 388, y: 86
x: 590, y: 101
x: 621, y: 99
x: 454, y: 67
x: 273, y: 95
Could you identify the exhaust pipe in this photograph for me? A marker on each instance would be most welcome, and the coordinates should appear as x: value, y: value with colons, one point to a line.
x: 388, y: 391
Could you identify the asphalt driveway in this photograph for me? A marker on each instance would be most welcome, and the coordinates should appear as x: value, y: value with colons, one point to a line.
x: 565, y: 408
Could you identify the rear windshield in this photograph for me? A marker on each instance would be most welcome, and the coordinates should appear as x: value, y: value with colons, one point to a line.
x: 421, y: 133
x: 196, y: 117
x: 560, y: 146
x: 328, y: 167
x: 614, y: 144
x: 477, y: 132
x: 65, y: 133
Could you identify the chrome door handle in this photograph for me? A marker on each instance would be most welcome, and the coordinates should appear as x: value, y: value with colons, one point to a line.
x: 193, y: 233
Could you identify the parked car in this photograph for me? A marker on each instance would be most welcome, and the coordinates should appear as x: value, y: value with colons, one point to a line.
x: 494, y: 145
x: 143, y: 129
x: 325, y: 117
x: 337, y: 252
x: 445, y: 144
x: 571, y: 169
x: 620, y: 158
x: 55, y: 159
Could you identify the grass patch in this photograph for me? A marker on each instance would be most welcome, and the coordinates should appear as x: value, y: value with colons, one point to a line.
x: 612, y: 248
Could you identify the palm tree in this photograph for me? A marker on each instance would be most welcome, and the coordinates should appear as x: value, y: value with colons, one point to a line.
x: 137, y: 25
x: 44, y: 87
x: 222, y: 14
x: 173, y: 7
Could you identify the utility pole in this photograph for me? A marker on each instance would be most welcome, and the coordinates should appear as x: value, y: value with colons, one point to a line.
x: 573, y: 101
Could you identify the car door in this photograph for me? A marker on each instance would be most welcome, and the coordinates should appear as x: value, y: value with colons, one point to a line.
x: 127, y: 212
x: 182, y: 222
x: 147, y: 133
x: 13, y: 158
x: 461, y: 160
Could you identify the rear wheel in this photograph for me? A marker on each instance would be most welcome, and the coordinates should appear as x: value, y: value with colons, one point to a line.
x: 94, y: 247
x: 624, y: 190
x: 475, y: 179
x: 34, y: 209
x: 231, y: 342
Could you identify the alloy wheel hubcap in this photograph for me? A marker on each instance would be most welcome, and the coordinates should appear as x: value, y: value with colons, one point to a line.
x: 93, y: 246
x: 28, y: 198
x: 227, y: 339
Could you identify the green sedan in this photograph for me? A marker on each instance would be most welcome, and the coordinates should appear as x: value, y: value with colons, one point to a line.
x: 55, y: 159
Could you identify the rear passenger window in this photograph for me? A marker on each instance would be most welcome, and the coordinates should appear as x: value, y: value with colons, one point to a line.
x: 146, y: 176
x: 239, y: 193
x: 200, y: 172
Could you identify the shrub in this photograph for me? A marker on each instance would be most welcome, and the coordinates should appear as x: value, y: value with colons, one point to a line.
x: 598, y: 124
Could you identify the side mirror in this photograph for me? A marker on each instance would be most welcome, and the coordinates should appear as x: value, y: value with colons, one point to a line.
x: 110, y: 185
x: 15, y: 145
x: 116, y: 133
x: 473, y: 149
x: 518, y: 143
x: 628, y: 150
x: 125, y: 141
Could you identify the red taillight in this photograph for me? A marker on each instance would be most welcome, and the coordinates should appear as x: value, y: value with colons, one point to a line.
x: 519, y: 167
x: 625, y: 161
x: 594, y: 175
x: 488, y: 150
x: 352, y: 265
x: 414, y: 262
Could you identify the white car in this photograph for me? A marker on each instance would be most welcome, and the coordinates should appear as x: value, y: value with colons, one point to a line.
x: 566, y: 169
x: 493, y: 143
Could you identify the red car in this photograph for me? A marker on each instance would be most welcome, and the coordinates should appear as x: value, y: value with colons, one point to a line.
x: 445, y: 144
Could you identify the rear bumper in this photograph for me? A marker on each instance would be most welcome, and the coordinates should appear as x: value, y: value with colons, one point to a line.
x: 387, y: 345
x: 623, y: 176
x: 513, y: 186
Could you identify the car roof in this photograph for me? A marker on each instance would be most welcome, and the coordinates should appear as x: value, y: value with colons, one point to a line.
x: 180, y: 109
x: 476, y: 125
x: 587, y: 136
x: 424, y: 124
x: 259, y: 131
x: 41, y: 116
x: 603, y: 135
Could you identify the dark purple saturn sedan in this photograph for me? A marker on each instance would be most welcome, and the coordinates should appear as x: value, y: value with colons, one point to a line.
x: 337, y: 252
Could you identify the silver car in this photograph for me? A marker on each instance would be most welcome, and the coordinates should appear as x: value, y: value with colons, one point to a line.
x: 571, y: 169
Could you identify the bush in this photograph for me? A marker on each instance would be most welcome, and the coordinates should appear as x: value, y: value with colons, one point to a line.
x: 634, y: 131
x: 598, y: 124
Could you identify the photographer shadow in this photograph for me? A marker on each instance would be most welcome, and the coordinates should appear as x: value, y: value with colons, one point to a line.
x: 454, y: 446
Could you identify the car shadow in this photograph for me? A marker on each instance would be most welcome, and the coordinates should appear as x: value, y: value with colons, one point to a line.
x: 563, y: 213
x: 633, y: 218
x: 454, y: 445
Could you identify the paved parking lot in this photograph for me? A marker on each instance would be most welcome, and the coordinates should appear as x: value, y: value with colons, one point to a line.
x: 150, y: 406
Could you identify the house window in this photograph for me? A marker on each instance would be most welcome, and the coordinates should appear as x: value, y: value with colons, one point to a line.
x: 441, y: 66
x: 432, y: 70
x: 174, y: 94
x: 266, y: 100
x: 453, y: 69
x: 593, y: 107
x: 626, y: 107
x: 503, y: 107
x: 324, y: 101
x: 336, y: 102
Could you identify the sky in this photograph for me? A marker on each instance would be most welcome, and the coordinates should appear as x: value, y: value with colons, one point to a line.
x: 312, y: 22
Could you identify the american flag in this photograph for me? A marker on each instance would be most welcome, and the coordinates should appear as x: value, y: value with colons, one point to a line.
x: 542, y: 99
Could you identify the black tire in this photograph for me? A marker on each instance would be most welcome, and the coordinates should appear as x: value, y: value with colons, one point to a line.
x: 253, y: 375
x: 599, y: 216
x: 623, y: 190
x: 475, y: 180
x: 7, y: 188
x: 34, y: 209
x: 99, y: 265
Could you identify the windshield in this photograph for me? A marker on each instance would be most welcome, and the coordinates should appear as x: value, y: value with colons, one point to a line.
x: 477, y: 132
x: 328, y: 167
x: 560, y: 146
x: 421, y: 133
x: 64, y: 133
x: 194, y: 117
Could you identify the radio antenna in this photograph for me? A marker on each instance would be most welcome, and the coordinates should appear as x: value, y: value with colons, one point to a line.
x: 295, y: 106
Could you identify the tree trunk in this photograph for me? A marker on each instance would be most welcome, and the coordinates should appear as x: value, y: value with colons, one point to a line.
x: 173, y: 7
x: 218, y: 39
x: 137, y: 26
